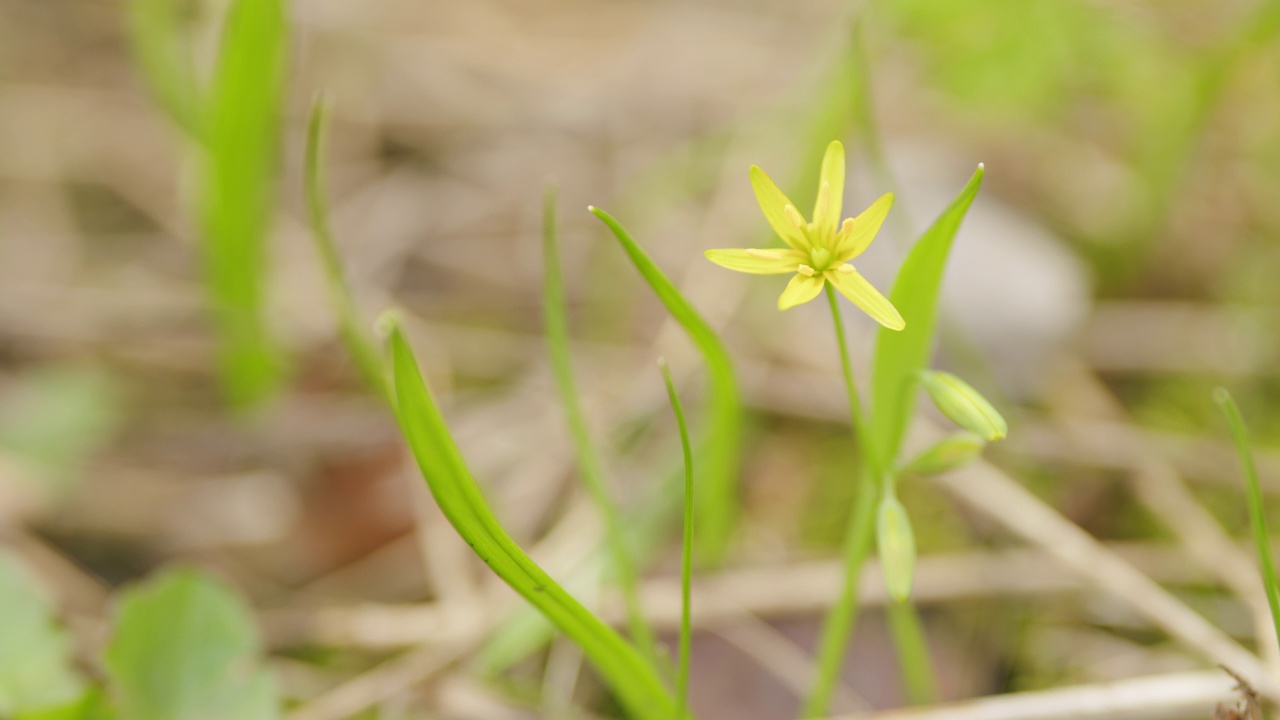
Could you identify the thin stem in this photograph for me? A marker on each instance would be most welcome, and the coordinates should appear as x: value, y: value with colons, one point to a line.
x: 686, y: 557
x: 842, y: 618
x: 555, y: 316
x: 913, y: 653
x: 1257, y: 510
x: 908, y: 636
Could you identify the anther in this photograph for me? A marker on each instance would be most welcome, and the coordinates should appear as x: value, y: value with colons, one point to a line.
x: 805, y: 270
x: 846, y: 227
x: 846, y: 268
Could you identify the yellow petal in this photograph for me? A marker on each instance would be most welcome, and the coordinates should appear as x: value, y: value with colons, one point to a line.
x: 861, y: 293
x: 774, y: 202
x: 864, y: 229
x: 826, y: 211
x: 800, y: 290
x: 757, y: 262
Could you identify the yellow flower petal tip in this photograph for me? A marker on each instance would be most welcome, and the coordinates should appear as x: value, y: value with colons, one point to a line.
x: 820, y: 246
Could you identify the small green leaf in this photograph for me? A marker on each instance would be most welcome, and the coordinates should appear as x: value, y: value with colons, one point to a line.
x: 36, y: 673
x: 185, y: 648
x: 950, y: 453
x: 238, y: 194
x: 900, y: 355
x: 964, y: 405
x: 897, y: 545
x: 718, y: 497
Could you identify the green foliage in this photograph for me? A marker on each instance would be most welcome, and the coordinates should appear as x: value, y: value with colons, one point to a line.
x: 363, y: 351
x: 900, y: 355
x: 625, y: 669
x: 36, y: 673
x: 237, y: 124
x: 686, y: 555
x: 1257, y: 506
x: 556, y: 318
x: 237, y: 196
x: 163, y: 54
x: 718, y: 501
x: 185, y: 648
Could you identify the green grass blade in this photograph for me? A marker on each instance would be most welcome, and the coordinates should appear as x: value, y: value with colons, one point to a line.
x: 556, y: 319
x: 900, y: 355
x: 1257, y: 508
x: 164, y: 57
x: 237, y: 196
x: 623, y: 668
x: 358, y: 341
x: 718, y: 501
x: 686, y: 555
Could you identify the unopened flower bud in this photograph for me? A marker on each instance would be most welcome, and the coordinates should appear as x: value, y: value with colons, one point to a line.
x: 897, y: 545
x: 964, y: 406
x: 952, y: 452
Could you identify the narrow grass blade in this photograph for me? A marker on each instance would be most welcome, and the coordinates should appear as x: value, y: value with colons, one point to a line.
x: 622, y: 667
x: 237, y: 196
x: 164, y: 57
x: 686, y: 556
x: 358, y: 341
x: 1257, y: 508
x: 555, y: 317
x: 718, y: 501
x: 900, y: 355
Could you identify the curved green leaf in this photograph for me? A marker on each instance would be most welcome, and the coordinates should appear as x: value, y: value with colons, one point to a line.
x: 718, y: 501
x: 900, y: 355
x: 634, y: 680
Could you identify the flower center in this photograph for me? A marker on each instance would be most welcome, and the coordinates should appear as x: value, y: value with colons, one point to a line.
x: 821, y: 258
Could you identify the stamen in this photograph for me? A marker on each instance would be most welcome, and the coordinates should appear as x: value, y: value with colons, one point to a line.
x: 805, y: 270
x: 765, y: 254
x: 847, y: 226
x: 846, y: 268
x: 794, y: 216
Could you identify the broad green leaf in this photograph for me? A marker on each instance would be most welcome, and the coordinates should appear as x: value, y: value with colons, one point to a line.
x: 361, y: 346
x: 36, y: 673
x: 163, y: 53
x: 900, y: 355
x: 622, y: 667
x: 93, y: 705
x: 185, y: 648
x: 717, y: 486
x: 237, y: 195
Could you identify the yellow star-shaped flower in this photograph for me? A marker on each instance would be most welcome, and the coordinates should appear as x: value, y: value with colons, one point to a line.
x: 819, y: 251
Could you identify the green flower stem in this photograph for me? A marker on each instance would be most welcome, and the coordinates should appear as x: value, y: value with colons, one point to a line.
x: 555, y: 317
x: 686, y: 557
x: 838, y: 628
x: 843, y: 616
